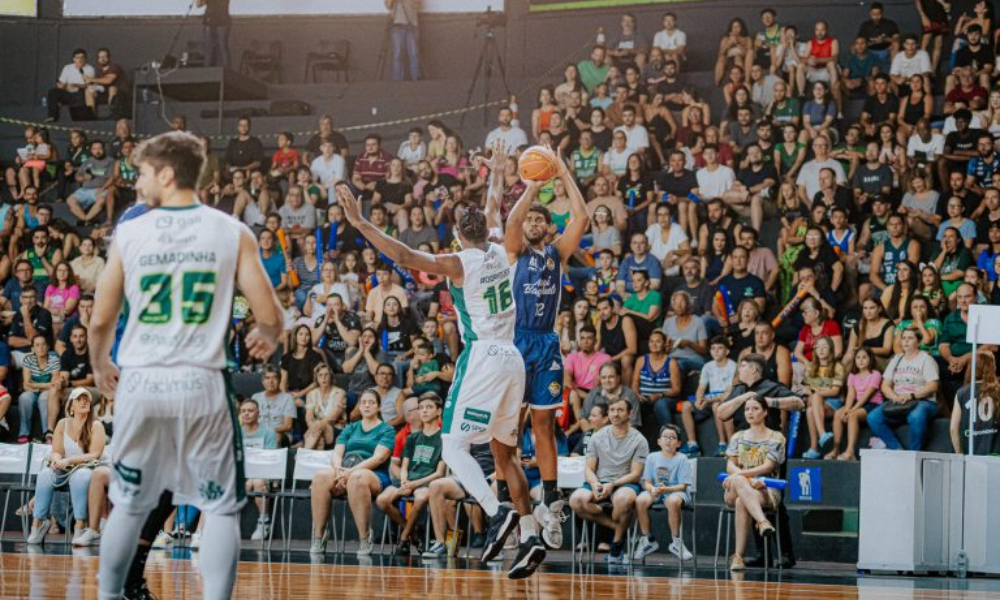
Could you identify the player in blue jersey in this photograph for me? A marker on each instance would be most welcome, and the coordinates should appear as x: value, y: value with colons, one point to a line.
x: 537, y: 289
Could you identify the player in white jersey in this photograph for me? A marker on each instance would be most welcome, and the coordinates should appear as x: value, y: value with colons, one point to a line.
x: 484, y: 402
x: 177, y: 266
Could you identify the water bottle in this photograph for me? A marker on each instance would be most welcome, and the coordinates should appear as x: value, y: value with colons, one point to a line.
x: 962, y: 570
x: 600, y: 36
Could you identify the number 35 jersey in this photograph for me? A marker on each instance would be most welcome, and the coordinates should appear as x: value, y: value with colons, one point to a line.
x: 485, y: 301
x: 180, y: 271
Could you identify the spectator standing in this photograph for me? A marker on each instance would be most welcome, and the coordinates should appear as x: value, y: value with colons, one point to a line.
x: 405, y: 37
x: 215, y: 32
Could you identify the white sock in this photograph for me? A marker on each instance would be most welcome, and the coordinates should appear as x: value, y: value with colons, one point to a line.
x: 528, y: 527
x: 456, y: 455
x: 121, y: 535
x: 678, y: 541
x: 220, y: 548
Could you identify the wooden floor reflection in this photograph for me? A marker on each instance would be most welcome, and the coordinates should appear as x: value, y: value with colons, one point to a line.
x: 60, y: 576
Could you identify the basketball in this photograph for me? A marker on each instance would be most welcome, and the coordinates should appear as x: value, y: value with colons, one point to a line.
x: 538, y: 164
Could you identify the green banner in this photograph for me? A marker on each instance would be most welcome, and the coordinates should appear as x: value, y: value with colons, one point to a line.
x: 554, y: 5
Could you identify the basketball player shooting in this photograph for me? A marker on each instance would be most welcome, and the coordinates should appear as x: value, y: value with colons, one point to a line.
x: 178, y: 267
x: 484, y: 402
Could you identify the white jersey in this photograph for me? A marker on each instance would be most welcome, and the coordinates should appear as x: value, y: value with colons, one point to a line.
x: 485, y: 301
x: 180, y: 271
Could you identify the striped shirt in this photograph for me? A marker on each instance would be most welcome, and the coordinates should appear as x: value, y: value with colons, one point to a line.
x: 654, y: 382
x: 41, y: 374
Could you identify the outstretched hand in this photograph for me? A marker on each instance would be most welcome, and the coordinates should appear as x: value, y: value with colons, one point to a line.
x: 351, y: 204
x: 497, y: 161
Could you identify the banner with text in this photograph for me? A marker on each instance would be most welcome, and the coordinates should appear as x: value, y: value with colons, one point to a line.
x: 19, y: 8
x: 178, y: 8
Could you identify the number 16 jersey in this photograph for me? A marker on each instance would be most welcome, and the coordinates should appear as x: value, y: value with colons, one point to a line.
x: 180, y: 271
x: 485, y: 301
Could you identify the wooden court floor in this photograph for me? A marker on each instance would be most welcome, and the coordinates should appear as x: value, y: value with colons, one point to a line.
x: 42, y: 576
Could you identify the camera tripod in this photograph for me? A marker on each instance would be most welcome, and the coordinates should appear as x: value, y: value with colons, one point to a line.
x: 489, y: 58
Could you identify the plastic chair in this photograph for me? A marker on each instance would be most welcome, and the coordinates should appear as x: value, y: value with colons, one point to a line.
x: 307, y: 464
x: 269, y: 465
x: 728, y: 512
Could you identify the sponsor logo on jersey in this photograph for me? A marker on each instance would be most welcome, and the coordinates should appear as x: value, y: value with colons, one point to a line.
x: 164, y: 383
x: 540, y: 288
x: 555, y: 366
x: 555, y: 389
x: 550, y: 264
x: 477, y: 416
x: 178, y: 221
x: 128, y: 474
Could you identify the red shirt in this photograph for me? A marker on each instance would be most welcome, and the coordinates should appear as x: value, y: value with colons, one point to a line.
x: 285, y: 159
x: 372, y: 168
x: 401, y: 435
x: 820, y: 49
x: 808, y: 339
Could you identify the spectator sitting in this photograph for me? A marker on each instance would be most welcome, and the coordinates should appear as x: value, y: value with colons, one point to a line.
x: 337, y: 330
x: 360, y: 472
x: 29, y: 321
x: 421, y: 465
x: 741, y: 284
x: 657, y: 380
x: 277, y: 408
x: 596, y: 420
x: 666, y: 478
x: 409, y: 413
x: 71, y: 86
x: 643, y: 306
x: 62, y: 295
x: 257, y: 436
x: 863, y: 390
x: 298, y: 217
x: 298, y: 364
x: 244, y: 152
x: 318, y: 296
x: 816, y: 325
x: 326, y: 410
x: 714, y: 383
x: 425, y: 371
x: 754, y: 452
x: 581, y: 371
x: 274, y: 260
x: 75, y: 371
x: 392, y: 408
x: 329, y: 167
x: 413, y: 150
x: 616, y: 456
x: 446, y: 490
x: 823, y: 381
x: 87, y: 267
x: 611, y: 388
x: 106, y: 85
x: 385, y: 287
x: 361, y: 363
x: 909, y: 385
x: 76, y: 447
x: 617, y: 335
x: 95, y: 179
x: 371, y: 166
x: 327, y: 134
x: 952, y: 260
x: 512, y: 136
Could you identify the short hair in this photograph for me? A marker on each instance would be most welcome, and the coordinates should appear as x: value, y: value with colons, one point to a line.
x: 79, y: 51
x: 104, y: 49
x: 719, y: 340
x: 621, y: 399
x: 910, y: 36
x: 545, y: 212
x: 588, y: 328
x: 180, y: 151
x: 757, y: 360
x: 374, y: 136
x: 387, y: 365
x: 629, y: 108
x: 380, y: 208
x: 473, y: 225
x: 383, y: 266
x: 670, y: 427
x: 289, y: 136
x: 270, y: 369
x: 87, y: 297
x: 433, y: 397
x: 250, y: 401
x: 751, y: 231
x: 875, y: 6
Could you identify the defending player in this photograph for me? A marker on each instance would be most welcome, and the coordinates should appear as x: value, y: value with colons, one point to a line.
x: 178, y: 267
x: 484, y: 402
x: 538, y: 285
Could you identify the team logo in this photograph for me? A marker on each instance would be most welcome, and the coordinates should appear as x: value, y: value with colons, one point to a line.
x: 550, y: 264
x: 210, y: 490
x: 555, y: 389
x: 555, y: 366
x: 493, y: 350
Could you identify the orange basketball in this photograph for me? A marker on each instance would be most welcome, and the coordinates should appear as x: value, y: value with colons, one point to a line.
x: 538, y: 164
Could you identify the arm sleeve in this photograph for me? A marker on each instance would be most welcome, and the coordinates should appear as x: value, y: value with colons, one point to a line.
x: 387, y: 437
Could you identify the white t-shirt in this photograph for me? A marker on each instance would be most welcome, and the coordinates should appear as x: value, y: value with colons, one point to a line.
x: 659, y: 248
x: 411, y: 156
x: 636, y: 139
x: 670, y: 41
x: 718, y: 379
x: 617, y: 161
x: 907, y: 67
x: 72, y: 76
x: 932, y: 148
x: 512, y: 138
x: 910, y: 375
x: 713, y: 184
x: 329, y: 172
x: 809, y: 175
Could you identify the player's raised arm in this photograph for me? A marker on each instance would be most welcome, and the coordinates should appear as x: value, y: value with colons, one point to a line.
x: 497, y: 164
x: 447, y: 265
x: 569, y: 241
x: 252, y: 280
x: 513, y: 237
x: 107, y: 306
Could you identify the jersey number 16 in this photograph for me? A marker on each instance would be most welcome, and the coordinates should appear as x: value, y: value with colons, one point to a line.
x: 499, y: 297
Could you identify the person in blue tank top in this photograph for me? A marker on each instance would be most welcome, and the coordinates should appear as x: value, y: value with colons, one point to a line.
x: 537, y: 288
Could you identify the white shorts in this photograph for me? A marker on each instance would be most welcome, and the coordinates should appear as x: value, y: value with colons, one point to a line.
x: 817, y: 74
x: 176, y: 429
x: 484, y: 402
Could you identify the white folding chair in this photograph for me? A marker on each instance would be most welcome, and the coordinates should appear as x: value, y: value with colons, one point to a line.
x: 269, y: 465
x: 14, y: 460
x: 307, y: 464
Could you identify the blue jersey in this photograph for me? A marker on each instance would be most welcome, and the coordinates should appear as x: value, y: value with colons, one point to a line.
x: 537, y: 289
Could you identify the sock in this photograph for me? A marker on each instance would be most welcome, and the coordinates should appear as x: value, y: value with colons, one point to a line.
x: 678, y: 541
x: 550, y: 493
x: 118, y: 545
x: 528, y: 527
x: 220, y: 548
x: 503, y: 491
x: 456, y: 455
x: 134, y: 578
x: 650, y: 537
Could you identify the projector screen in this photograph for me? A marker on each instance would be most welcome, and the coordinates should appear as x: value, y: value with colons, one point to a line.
x: 177, y: 8
x: 19, y: 8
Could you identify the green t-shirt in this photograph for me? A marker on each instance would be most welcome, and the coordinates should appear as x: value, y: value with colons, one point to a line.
x: 642, y: 305
x: 424, y: 452
x: 953, y: 332
x: 356, y: 440
x: 930, y: 324
x: 586, y: 165
x: 788, y: 112
x: 428, y: 386
x: 591, y: 75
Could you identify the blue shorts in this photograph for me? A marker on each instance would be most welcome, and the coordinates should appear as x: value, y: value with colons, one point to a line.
x: 87, y: 197
x: 543, y: 367
x: 383, y: 478
x: 834, y: 403
x: 633, y: 486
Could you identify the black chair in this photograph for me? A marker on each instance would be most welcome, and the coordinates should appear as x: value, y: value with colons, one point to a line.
x: 262, y: 61
x: 333, y: 55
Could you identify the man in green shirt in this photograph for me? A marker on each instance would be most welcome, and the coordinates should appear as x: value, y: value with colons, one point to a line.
x: 422, y: 464
x: 784, y: 109
x: 954, y: 350
x: 595, y: 70
x: 643, y: 306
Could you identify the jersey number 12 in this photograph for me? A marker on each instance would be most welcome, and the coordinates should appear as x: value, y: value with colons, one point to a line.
x: 197, y: 296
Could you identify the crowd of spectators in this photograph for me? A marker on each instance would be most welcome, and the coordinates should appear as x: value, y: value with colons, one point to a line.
x: 832, y: 180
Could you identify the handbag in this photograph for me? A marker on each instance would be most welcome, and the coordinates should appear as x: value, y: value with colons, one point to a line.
x: 894, y: 411
x: 61, y: 477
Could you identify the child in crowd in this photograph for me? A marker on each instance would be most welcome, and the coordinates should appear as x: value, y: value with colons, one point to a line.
x: 863, y: 389
x: 666, y: 478
x: 824, y: 380
x: 714, y: 384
